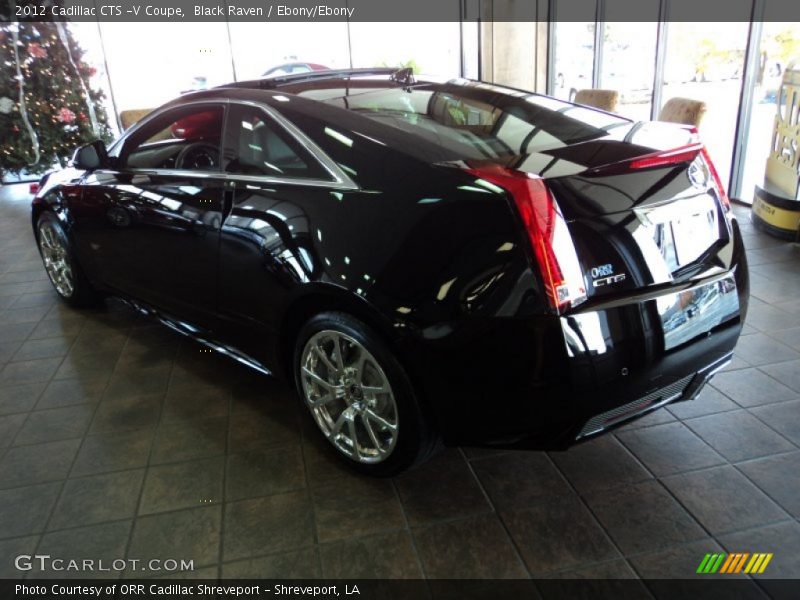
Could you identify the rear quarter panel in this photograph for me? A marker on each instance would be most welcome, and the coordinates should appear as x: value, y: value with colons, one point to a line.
x: 416, y: 240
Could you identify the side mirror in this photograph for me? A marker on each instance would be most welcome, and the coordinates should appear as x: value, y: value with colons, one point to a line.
x: 90, y: 156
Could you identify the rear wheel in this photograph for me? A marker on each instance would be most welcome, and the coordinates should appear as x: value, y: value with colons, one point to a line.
x: 359, y: 396
x: 60, y: 264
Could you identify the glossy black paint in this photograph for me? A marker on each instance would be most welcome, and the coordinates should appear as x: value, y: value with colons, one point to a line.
x: 441, y: 269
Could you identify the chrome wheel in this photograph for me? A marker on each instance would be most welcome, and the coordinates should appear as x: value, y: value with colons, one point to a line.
x: 56, y: 260
x: 349, y: 395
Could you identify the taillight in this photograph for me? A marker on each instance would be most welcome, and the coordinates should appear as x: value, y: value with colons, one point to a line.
x: 664, y: 159
x: 723, y: 196
x: 547, y: 231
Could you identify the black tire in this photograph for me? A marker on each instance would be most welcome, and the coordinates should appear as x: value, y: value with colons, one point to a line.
x: 415, y: 441
x: 82, y: 293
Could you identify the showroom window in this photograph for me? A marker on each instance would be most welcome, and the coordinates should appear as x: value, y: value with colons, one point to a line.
x: 436, y: 47
x: 705, y: 61
x: 175, y: 59
x: 779, y: 47
x: 90, y: 39
x: 573, y: 67
x: 264, y: 49
x: 628, y: 57
x: 660, y: 54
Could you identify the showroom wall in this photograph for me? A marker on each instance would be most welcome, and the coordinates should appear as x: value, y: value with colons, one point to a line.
x: 513, y: 49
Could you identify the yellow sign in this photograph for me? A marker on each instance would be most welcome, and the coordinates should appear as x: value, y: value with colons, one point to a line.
x: 781, y: 218
x: 783, y: 170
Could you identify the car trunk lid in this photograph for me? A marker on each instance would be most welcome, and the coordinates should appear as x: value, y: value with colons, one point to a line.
x: 617, y: 218
x: 660, y: 219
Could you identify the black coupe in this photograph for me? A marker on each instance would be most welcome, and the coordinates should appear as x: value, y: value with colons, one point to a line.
x: 426, y: 260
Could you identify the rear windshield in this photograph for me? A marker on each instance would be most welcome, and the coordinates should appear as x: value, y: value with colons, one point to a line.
x: 484, y: 121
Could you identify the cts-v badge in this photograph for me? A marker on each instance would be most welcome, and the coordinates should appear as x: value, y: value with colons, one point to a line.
x: 603, y: 275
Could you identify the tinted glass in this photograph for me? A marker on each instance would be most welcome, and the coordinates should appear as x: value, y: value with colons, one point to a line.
x: 477, y: 122
x: 258, y: 146
x: 186, y: 139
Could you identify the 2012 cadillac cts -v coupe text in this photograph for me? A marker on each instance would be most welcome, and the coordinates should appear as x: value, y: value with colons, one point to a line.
x: 426, y: 260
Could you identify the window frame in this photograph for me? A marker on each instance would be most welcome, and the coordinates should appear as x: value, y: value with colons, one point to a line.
x: 230, y: 143
x: 124, y: 151
x: 338, y: 180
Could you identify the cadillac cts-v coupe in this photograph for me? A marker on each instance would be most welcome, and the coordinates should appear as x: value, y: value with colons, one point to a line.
x: 425, y: 260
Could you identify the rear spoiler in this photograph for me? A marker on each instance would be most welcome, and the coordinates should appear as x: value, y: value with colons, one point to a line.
x: 275, y: 82
x: 676, y: 156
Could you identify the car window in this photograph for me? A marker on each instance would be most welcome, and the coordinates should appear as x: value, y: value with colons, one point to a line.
x: 476, y: 124
x: 187, y: 138
x: 287, y: 70
x: 256, y: 145
x: 279, y: 72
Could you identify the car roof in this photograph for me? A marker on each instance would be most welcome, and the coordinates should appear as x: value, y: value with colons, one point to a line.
x: 458, y: 119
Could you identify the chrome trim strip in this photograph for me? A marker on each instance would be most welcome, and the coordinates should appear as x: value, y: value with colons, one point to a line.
x: 637, y: 408
x: 597, y: 304
x: 339, y: 176
x: 157, y: 113
x: 633, y: 414
x: 339, y: 179
x: 226, y: 350
x: 725, y: 362
x: 180, y: 328
x: 334, y: 185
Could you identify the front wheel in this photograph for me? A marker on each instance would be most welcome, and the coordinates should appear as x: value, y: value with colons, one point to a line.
x: 359, y: 396
x: 60, y: 263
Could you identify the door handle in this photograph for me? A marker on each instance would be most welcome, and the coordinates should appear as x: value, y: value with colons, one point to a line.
x: 228, y: 193
x: 198, y: 228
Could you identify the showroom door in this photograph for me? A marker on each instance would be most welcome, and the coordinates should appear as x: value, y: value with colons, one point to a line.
x: 156, y: 217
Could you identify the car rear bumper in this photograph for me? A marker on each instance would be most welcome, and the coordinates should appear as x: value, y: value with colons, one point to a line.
x: 683, y: 389
x: 534, y: 383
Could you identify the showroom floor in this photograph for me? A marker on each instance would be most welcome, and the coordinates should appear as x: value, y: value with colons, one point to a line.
x: 118, y: 438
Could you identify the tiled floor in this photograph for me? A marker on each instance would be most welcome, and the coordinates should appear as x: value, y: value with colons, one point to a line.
x: 120, y: 439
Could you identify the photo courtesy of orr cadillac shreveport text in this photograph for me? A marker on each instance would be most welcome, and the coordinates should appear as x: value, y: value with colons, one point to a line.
x: 176, y: 589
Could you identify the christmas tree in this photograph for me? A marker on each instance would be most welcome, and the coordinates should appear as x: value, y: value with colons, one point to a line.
x: 47, y: 105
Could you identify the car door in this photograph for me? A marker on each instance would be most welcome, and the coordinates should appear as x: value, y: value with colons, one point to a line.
x: 151, y: 224
x: 266, y: 245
